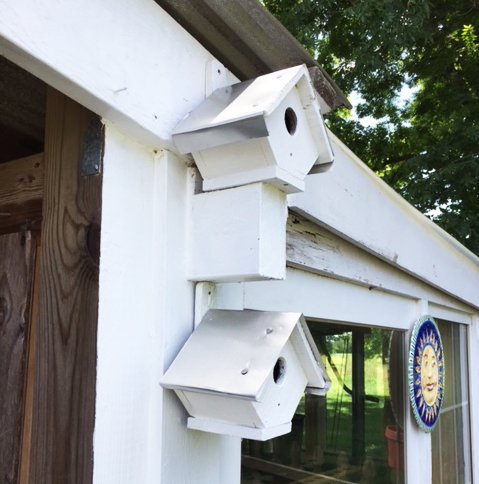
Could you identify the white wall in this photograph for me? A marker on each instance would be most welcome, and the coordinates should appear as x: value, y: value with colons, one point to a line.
x: 145, y: 315
x: 130, y: 333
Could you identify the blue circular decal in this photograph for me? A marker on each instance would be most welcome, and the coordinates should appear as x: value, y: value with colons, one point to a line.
x: 426, y: 373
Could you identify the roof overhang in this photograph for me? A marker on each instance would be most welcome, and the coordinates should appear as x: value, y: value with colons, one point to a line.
x: 249, y: 41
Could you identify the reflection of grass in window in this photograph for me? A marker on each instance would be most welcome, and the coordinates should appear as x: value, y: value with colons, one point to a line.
x: 339, y: 406
x: 335, y: 422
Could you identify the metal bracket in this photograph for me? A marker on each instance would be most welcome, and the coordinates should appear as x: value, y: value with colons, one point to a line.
x: 93, y: 145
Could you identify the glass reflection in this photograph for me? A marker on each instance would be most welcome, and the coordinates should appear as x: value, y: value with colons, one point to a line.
x: 451, y: 457
x: 353, y: 434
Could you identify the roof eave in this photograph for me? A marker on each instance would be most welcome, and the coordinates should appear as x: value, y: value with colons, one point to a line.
x: 249, y: 41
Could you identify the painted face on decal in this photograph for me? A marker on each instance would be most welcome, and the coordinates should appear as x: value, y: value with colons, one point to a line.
x: 429, y: 375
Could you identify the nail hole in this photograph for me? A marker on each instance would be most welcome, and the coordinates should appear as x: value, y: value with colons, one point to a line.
x: 244, y: 371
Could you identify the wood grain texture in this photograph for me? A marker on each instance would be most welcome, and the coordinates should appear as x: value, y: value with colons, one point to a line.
x: 64, y: 393
x: 21, y: 192
x: 30, y: 369
x: 16, y: 268
x: 316, y: 249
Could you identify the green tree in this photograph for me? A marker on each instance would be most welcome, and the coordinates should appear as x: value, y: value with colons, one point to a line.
x: 428, y: 147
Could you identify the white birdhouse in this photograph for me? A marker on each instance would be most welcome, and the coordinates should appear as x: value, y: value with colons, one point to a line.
x: 243, y: 373
x: 267, y: 129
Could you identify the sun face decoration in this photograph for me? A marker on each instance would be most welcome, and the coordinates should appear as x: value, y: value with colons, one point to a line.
x: 426, y: 373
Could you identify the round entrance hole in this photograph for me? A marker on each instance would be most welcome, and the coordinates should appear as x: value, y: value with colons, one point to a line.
x: 279, y: 371
x: 290, y: 120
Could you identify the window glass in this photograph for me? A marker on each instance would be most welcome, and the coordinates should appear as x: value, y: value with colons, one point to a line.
x: 354, y: 433
x: 451, y: 458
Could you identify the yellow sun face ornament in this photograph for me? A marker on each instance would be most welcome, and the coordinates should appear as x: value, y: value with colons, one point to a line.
x: 426, y: 373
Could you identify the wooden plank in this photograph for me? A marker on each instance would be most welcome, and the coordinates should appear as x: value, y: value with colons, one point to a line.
x: 65, y: 376
x: 30, y: 370
x: 353, y: 202
x: 250, y: 41
x: 315, y: 426
x: 316, y: 249
x: 323, y: 298
x: 16, y: 264
x: 21, y: 192
x: 244, y: 243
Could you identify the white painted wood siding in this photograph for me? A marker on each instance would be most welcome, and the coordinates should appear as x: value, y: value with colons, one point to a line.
x: 145, y: 315
x: 315, y: 249
x: 353, y: 202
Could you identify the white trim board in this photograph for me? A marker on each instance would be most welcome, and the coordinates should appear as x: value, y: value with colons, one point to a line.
x: 126, y: 60
x: 327, y: 299
x: 314, y: 248
x: 473, y: 360
x: 321, y: 298
x: 128, y: 403
x: 146, y: 312
x: 351, y: 201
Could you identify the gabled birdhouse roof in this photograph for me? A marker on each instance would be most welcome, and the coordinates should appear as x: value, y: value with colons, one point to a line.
x: 237, y: 112
x: 234, y: 353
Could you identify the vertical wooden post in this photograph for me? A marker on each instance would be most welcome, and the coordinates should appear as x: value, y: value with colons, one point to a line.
x: 16, y: 271
x: 64, y: 393
x: 315, y: 428
x: 30, y: 369
x: 358, y: 398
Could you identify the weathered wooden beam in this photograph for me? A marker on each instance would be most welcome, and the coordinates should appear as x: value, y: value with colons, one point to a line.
x: 352, y: 202
x: 21, y: 192
x: 316, y: 249
x: 16, y: 272
x: 30, y: 370
x: 249, y: 41
x: 65, y: 377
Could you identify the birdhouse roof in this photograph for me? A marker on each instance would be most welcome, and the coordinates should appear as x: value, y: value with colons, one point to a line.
x: 234, y: 353
x: 237, y: 112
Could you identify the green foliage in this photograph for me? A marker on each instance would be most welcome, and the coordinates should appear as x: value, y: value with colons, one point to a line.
x: 428, y: 147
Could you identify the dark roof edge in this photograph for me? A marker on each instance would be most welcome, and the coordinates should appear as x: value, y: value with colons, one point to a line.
x: 249, y: 41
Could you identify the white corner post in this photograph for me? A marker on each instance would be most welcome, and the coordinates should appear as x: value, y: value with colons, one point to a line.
x: 473, y: 334
x: 418, y: 460
x: 130, y: 330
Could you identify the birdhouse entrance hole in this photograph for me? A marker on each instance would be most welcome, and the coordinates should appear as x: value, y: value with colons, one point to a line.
x: 290, y: 120
x: 279, y: 371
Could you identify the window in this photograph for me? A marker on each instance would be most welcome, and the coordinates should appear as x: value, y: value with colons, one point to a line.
x: 354, y: 433
x: 451, y: 458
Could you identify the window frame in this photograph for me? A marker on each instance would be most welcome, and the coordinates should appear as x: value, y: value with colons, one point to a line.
x: 322, y: 298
